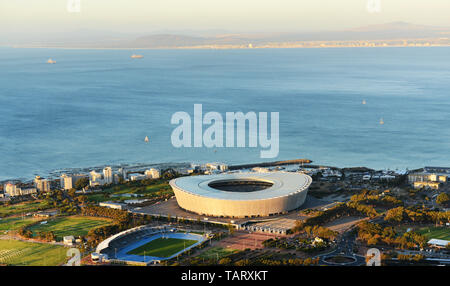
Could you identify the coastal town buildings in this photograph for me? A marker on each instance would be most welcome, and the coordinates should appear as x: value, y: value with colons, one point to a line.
x: 95, y: 179
x: 108, y: 175
x: 137, y: 177
x: 68, y: 182
x: 41, y: 184
x: 12, y: 190
x: 152, y: 173
x: 429, y: 177
x: 123, y: 173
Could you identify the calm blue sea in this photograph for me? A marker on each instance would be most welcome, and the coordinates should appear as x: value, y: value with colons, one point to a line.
x: 95, y: 107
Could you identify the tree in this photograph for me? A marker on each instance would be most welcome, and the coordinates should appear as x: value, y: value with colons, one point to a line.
x: 81, y: 183
x: 443, y: 199
x: 71, y: 193
x: 225, y: 261
x: 395, y: 214
x: 242, y: 262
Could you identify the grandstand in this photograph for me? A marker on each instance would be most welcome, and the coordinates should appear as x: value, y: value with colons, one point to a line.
x: 117, y: 248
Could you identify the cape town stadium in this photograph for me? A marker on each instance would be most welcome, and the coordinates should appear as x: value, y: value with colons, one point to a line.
x: 241, y: 194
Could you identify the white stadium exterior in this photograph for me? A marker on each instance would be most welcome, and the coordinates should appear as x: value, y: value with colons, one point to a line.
x: 241, y: 194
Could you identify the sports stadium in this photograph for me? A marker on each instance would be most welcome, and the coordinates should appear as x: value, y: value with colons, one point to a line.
x: 241, y: 195
x: 145, y: 245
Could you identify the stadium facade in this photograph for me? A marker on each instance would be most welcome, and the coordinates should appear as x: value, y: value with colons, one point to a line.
x: 241, y: 195
x: 117, y: 248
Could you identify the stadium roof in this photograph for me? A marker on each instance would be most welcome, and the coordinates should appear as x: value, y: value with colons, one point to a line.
x: 439, y: 242
x: 284, y: 184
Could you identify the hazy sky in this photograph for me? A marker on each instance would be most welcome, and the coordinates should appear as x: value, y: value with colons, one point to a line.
x: 147, y: 16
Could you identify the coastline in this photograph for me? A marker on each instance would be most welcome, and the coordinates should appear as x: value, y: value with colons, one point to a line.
x: 140, y: 167
x: 399, y: 43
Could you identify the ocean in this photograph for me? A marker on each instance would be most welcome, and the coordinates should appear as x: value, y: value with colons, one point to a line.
x: 95, y: 107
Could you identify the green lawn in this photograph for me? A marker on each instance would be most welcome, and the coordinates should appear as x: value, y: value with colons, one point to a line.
x: 14, y: 223
x: 435, y: 232
x: 20, y: 208
x: 13, y: 252
x: 162, y: 247
x: 158, y: 188
x: 75, y: 225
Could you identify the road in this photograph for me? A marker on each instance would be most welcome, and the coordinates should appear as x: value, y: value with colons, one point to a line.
x: 344, y: 248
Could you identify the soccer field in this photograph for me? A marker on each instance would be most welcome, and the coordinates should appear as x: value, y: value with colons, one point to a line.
x: 14, y: 223
x: 435, y: 232
x: 26, y: 207
x: 75, y: 225
x: 14, y: 252
x: 162, y: 247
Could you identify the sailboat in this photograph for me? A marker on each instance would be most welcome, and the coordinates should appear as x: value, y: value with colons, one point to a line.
x: 146, y: 139
x: 50, y: 61
x: 381, y: 121
x: 364, y: 101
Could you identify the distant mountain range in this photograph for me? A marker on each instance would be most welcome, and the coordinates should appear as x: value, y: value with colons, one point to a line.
x: 390, y: 31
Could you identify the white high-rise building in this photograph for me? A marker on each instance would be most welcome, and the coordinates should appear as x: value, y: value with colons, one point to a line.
x: 27, y: 191
x: 95, y: 179
x: 11, y: 190
x: 108, y: 175
x: 123, y: 172
x: 66, y: 182
x: 152, y: 173
x: 42, y: 185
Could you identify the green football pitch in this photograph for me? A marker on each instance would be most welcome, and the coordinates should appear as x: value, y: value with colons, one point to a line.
x: 14, y: 223
x: 74, y: 225
x: 162, y: 247
x: 435, y: 232
x: 14, y: 252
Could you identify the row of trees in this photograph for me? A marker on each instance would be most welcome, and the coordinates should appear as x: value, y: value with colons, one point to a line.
x: 401, y: 214
x: 415, y: 258
x: 377, y: 200
x: 443, y: 199
x: 351, y: 208
x: 25, y: 232
x: 255, y: 262
x: 117, y: 215
x: 274, y: 262
x: 46, y: 235
x: 320, y: 231
x: 374, y: 234
x: 66, y: 202
x: 43, y: 235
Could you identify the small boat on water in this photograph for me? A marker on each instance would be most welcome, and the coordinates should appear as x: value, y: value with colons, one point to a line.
x: 146, y: 139
x: 50, y: 61
x: 364, y: 101
x: 381, y: 121
x: 134, y: 56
